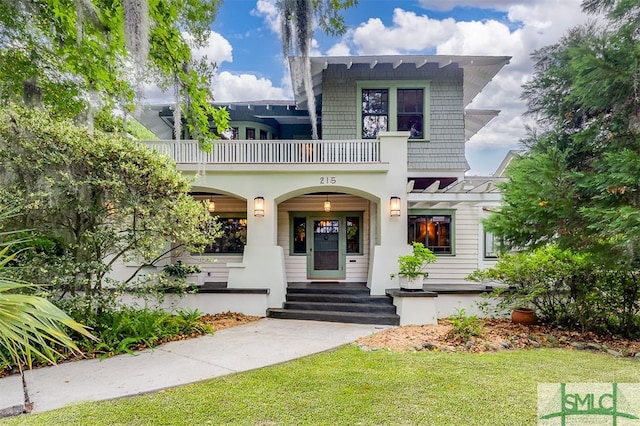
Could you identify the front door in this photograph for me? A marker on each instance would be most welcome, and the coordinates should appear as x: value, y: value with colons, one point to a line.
x: 326, y: 256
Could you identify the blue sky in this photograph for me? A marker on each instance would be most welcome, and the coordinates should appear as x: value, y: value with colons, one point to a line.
x: 246, y: 46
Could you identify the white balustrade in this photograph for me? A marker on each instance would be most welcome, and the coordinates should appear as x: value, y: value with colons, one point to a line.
x: 271, y: 151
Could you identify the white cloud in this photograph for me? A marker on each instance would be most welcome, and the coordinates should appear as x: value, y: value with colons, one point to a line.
x: 409, y: 33
x: 445, y: 5
x: 268, y: 9
x: 217, y: 50
x: 229, y: 87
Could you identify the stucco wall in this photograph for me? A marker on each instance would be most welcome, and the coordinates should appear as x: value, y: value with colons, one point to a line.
x: 446, y: 146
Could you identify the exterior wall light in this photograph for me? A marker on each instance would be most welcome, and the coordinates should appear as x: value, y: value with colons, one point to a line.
x: 258, y: 206
x: 211, y: 207
x: 394, y: 206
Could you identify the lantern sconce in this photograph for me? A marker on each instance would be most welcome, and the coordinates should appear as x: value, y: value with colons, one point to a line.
x: 394, y: 206
x: 327, y: 205
x: 211, y: 206
x: 258, y: 206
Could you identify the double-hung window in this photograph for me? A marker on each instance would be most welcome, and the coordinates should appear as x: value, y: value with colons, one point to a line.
x: 393, y: 106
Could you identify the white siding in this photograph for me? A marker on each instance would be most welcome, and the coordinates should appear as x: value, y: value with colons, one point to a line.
x: 357, y: 266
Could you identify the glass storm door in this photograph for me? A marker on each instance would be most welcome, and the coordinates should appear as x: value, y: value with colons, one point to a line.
x: 326, y: 259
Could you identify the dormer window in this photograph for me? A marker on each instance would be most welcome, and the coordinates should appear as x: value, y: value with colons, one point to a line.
x: 393, y: 106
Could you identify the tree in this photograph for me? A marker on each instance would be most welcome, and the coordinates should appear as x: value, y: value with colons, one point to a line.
x: 99, y: 199
x: 585, y: 93
x: 296, y: 22
x: 578, y: 184
x: 77, y: 56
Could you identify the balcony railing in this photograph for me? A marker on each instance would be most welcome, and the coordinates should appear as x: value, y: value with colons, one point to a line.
x: 271, y: 151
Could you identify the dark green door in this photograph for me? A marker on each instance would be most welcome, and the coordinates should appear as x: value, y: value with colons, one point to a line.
x: 326, y: 257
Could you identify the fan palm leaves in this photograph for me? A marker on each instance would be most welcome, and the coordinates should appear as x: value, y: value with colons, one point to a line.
x: 31, y: 326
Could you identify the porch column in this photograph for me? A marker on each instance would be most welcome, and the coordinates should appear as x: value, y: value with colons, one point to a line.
x: 392, y: 240
x: 263, y: 260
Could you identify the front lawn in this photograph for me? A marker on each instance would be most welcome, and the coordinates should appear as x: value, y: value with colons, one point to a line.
x: 350, y: 386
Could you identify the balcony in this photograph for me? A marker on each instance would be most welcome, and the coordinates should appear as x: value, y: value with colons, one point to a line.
x: 276, y: 152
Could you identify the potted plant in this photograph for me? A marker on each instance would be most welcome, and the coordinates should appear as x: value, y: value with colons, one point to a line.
x: 411, y: 267
x: 183, y: 272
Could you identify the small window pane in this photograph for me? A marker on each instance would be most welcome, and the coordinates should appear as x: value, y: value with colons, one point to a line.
x: 300, y: 235
x: 251, y: 133
x: 372, y: 125
x: 490, y: 246
x: 263, y: 134
x: 353, y: 235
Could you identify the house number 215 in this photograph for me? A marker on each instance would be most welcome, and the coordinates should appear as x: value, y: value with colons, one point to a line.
x: 326, y: 180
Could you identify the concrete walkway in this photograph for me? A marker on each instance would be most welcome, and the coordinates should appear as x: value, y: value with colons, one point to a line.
x: 245, y: 347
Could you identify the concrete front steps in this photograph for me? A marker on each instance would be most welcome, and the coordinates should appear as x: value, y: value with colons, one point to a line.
x: 336, y: 302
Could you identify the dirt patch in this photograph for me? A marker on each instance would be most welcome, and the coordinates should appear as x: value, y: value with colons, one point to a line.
x: 227, y: 319
x: 495, y: 335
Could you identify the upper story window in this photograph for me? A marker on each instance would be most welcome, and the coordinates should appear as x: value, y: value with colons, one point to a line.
x: 411, y: 111
x: 375, y: 112
x: 250, y: 133
x: 393, y: 106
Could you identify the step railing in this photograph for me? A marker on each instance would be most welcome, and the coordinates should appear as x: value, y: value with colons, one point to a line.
x: 271, y: 151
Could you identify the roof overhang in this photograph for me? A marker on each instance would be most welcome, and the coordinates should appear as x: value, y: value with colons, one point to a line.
x: 476, y: 119
x: 478, y: 70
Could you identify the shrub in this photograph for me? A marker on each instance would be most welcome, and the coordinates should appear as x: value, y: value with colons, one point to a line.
x: 465, y: 326
x: 568, y: 289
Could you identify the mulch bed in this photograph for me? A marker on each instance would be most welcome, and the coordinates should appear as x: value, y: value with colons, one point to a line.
x: 496, y: 335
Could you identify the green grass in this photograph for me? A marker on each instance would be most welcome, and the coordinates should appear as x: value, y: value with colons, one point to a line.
x: 352, y: 387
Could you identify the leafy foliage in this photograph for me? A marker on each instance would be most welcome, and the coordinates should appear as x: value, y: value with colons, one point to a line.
x: 75, y: 57
x: 465, y: 326
x: 578, y: 185
x: 569, y: 289
x: 31, y: 327
x: 414, y: 264
x: 100, y: 198
x: 181, y: 270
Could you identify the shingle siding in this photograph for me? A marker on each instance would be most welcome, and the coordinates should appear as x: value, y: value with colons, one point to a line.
x: 446, y: 146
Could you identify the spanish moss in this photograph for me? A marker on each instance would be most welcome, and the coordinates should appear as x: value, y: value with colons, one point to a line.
x: 136, y: 29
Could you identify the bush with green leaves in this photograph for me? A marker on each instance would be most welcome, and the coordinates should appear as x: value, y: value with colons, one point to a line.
x: 568, y: 289
x: 97, y: 199
x: 465, y: 326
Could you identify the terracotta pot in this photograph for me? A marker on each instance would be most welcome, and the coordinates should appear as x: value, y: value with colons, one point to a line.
x: 524, y: 316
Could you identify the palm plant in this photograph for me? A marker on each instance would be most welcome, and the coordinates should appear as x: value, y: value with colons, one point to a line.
x: 31, y: 326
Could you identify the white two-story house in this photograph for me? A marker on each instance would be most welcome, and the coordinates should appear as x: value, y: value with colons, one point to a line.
x: 334, y: 213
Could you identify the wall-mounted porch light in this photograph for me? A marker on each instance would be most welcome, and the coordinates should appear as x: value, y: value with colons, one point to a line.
x: 211, y: 206
x: 327, y: 205
x: 394, y: 206
x: 258, y: 206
